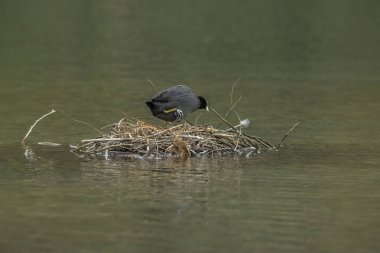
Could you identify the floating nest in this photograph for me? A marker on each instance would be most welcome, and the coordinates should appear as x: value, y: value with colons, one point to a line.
x: 138, y: 139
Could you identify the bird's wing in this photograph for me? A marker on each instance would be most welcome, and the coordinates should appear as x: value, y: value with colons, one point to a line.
x: 172, y: 93
x: 168, y: 107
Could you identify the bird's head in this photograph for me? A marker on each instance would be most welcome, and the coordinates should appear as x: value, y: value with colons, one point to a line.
x: 204, y: 104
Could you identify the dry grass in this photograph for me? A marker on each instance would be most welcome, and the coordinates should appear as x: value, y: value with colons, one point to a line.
x: 138, y: 139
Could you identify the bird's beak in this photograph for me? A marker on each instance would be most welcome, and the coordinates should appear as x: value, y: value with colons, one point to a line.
x: 207, y: 108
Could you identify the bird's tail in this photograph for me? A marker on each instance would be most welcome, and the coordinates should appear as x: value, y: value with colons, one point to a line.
x: 150, y: 104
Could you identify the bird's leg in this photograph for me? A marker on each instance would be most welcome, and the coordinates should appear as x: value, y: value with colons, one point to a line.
x: 168, y: 123
x: 188, y: 122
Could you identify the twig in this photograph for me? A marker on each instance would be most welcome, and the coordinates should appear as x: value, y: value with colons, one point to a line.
x: 232, y: 107
x: 238, y: 116
x: 88, y: 124
x: 103, y: 139
x: 286, y: 135
x: 260, y: 141
x: 196, y: 119
x: 225, y: 121
x: 46, y: 143
x: 233, y: 87
x: 231, y: 98
x: 80, y: 121
x: 35, y: 123
x: 153, y: 85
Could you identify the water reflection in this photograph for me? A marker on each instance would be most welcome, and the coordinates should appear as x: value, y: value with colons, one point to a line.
x: 266, y: 202
x: 177, y: 183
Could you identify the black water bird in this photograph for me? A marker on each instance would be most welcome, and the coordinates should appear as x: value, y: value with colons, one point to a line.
x: 175, y: 103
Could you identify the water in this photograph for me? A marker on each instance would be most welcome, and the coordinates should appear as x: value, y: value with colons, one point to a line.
x: 315, y: 63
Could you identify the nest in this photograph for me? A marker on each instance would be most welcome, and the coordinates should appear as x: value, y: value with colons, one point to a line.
x: 138, y: 139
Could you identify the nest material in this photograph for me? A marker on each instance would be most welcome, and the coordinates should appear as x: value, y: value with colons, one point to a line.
x: 138, y: 139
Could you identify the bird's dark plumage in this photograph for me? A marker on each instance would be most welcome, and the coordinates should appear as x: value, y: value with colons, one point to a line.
x: 175, y: 103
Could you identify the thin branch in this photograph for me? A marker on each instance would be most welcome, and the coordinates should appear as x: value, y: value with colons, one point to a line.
x: 35, y: 123
x: 238, y: 116
x: 231, y: 99
x: 196, y: 119
x: 224, y: 120
x: 233, y: 87
x: 287, y: 134
x: 46, y: 143
x: 153, y: 85
x: 103, y: 139
x: 232, y: 107
x: 80, y: 121
x: 88, y: 124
